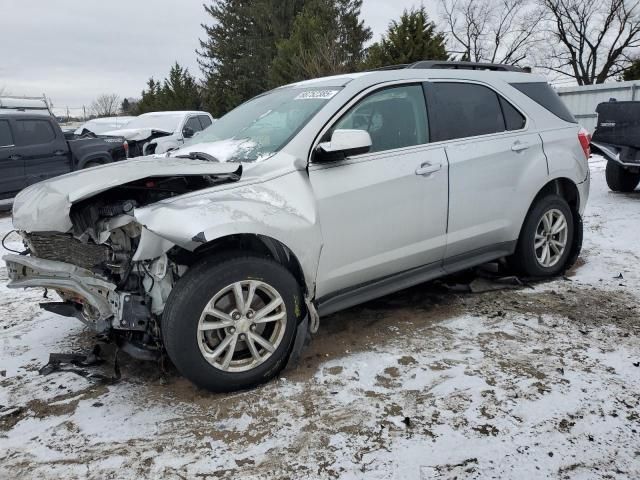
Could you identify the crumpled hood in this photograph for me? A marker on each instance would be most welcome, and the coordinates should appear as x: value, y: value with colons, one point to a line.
x: 45, y: 206
x: 135, y: 134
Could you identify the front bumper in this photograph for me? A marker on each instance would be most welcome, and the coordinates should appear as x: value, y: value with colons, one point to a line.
x: 99, y: 298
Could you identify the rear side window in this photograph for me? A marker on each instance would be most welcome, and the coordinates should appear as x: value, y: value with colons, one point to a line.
x: 545, y: 96
x: 205, y: 121
x: 34, y: 132
x: 513, y: 119
x: 6, y: 138
x: 460, y: 110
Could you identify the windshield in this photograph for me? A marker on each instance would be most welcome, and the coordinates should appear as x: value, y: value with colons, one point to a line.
x: 166, y: 123
x: 262, y: 126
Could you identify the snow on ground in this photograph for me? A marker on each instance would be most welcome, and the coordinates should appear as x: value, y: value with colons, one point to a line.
x: 541, y: 383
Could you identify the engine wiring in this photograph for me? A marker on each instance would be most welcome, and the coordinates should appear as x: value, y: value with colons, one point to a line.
x: 24, y: 252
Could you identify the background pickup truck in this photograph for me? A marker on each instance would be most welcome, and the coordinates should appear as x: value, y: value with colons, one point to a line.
x: 33, y: 148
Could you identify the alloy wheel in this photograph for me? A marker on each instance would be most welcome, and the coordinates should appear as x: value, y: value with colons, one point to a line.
x: 242, y: 326
x: 551, y: 236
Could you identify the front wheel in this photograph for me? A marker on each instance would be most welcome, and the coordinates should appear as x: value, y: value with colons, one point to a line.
x: 546, y: 239
x: 619, y: 179
x: 230, y: 325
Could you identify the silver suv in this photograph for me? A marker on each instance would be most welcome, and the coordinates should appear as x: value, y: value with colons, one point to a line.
x: 304, y: 201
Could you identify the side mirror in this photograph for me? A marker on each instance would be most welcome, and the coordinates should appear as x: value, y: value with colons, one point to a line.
x: 344, y: 143
x: 187, y: 132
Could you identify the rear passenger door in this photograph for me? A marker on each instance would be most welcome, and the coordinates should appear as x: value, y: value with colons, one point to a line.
x: 495, y: 156
x: 11, y: 165
x: 43, y: 149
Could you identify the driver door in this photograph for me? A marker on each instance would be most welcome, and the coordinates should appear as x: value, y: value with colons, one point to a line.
x: 384, y: 212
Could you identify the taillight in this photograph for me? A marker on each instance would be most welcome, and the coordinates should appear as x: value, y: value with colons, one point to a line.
x: 585, y: 140
x: 126, y: 148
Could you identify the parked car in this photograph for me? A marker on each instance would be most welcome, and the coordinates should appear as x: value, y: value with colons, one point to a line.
x: 159, y: 132
x: 98, y: 126
x: 33, y: 148
x: 617, y: 138
x: 304, y: 201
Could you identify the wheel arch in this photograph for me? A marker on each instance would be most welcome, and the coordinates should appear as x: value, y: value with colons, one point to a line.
x: 98, y: 157
x: 258, y: 244
x: 567, y: 189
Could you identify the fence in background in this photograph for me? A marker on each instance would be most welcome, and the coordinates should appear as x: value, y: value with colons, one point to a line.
x: 582, y: 101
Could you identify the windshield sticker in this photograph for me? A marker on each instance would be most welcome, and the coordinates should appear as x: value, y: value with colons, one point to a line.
x: 317, y: 95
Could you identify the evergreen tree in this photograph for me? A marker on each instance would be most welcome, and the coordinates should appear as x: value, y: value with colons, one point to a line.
x: 125, y: 108
x: 179, y: 91
x: 409, y: 40
x: 633, y: 72
x: 239, y: 46
x: 327, y: 38
x: 150, y: 98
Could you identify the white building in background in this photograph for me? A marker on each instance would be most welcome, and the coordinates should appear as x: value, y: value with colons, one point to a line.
x: 582, y: 101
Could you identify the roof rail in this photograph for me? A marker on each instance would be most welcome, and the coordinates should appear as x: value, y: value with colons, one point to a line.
x: 454, y: 65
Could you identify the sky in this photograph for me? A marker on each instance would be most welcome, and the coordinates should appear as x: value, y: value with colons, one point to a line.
x: 75, y: 50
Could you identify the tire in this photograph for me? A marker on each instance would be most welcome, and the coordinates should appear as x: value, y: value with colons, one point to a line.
x: 531, y: 261
x: 183, y: 318
x: 620, y: 179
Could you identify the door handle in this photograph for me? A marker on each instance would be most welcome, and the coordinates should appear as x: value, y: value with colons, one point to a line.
x: 59, y: 153
x: 519, y: 146
x: 15, y: 157
x: 428, y: 168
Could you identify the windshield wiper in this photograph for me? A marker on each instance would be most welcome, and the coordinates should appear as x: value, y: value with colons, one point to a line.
x: 199, y: 156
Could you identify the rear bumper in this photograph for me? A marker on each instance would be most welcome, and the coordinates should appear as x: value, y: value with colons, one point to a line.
x: 98, y: 297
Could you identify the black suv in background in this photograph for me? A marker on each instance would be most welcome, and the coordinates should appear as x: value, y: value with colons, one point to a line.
x: 33, y: 148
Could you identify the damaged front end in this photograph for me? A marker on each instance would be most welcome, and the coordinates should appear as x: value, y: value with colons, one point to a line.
x: 108, y: 269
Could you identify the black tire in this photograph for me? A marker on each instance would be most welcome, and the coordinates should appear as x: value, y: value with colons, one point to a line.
x: 189, y: 298
x: 620, y: 179
x: 524, y: 259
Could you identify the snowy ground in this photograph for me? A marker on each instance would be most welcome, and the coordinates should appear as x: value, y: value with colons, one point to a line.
x: 541, y: 383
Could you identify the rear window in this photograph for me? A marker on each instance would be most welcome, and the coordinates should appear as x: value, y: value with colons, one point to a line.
x: 545, y: 96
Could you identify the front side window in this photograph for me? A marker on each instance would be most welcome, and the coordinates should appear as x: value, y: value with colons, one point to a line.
x: 34, y: 132
x: 205, y: 121
x: 460, y: 110
x: 395, y: 117
x: 262, y: 126
x: 6, y: 138
x: 194, y: 124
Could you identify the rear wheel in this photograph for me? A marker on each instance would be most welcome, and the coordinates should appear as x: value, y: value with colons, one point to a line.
x: 620, y: 179
x: 230, y: 325
x: 546, y: 239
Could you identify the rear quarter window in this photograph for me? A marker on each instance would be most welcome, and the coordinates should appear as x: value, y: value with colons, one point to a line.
x: 545, y: 96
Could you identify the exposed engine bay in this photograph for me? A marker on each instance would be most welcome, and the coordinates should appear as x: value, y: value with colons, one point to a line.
x: 93, y: 267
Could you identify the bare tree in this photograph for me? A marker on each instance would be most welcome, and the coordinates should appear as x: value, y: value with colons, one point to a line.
x: 106, y: 105
x: 496, y: 31
x: 590, y: 41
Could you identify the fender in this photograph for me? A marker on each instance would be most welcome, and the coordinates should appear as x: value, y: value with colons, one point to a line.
x: 97, y: 157
x: 259, y: 209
